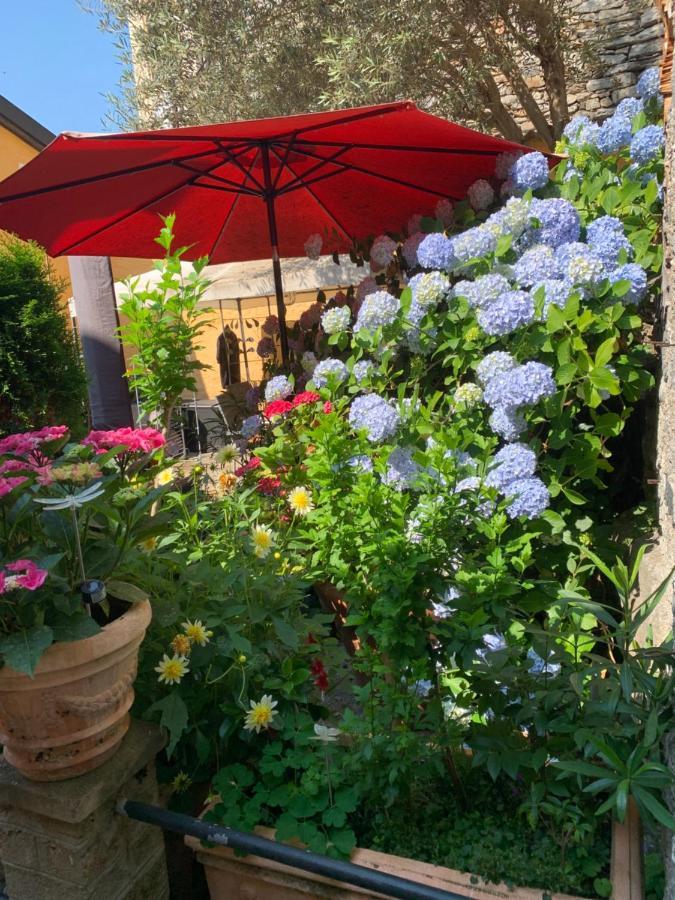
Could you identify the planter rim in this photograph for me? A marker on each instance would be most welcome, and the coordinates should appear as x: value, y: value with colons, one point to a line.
x: 427, y: 874
x: 128, y: 629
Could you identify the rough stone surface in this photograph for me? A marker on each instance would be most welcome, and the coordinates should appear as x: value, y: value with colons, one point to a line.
x: 64, y: 839
x: 659, y: 561
x: 626, y: 36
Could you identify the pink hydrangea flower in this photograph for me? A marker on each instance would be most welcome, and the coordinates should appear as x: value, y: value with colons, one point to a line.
x: 134, y: 440
x: 13, y: 465
x: 28, y: 442
x: 8, y: 484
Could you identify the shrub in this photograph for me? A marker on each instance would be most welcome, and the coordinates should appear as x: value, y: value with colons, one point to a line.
x: 42, y: 379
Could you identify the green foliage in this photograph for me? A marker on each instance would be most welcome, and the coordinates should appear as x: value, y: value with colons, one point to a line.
x: 42, y: 380
x: 342, y: 54
x: 163, y: 324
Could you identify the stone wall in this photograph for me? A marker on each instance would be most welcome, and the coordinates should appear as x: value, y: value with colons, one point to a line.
x: 626, y: 37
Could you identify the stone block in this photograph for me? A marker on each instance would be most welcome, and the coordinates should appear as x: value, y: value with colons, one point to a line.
x: 66, y: 838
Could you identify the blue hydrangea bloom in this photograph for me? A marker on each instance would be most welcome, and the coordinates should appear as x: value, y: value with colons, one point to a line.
x: 581, y: 132
x: 629, y: 107
x: 556, y: 292
x: 429, y: 288
x: 638, y: 281
x: 530, y: 172
x: 558, y: 222
x: 530, y: 498
x: 615, y: 134
x: 511, y: 219
x: 508, y: 312
x: 534, y: 263
x: 413, y: 329
x: 376, y: 415
x: 362, y: 463
x: 377, y: 310
x: 333, y: 369
x: 508, y: 422
x: 609, y: 247
x: 402, y: 471
x: 251, y: 426
x: 523, y: 386
x: 649, y: 84
x: 647, y: 144
x: 602, y: 226
x: 278, y: 388
x: 540, y: 666
x: 495, y: 363
x: 580, y: 264
x: 436, y: 252
x: 336, y: 319
x: 493, y: 644
x: 483, y: 290
x: 511, y: 463
x: 362, y: 370
x: 474, y: 243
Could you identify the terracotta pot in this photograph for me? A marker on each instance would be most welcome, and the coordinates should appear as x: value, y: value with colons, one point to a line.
x: 254, y: 878
x: 72, y: 715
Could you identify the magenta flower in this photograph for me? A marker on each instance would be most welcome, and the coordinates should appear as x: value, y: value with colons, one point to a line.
x: 134, y: 440
x: 8, y: 484
x: 27, y: 574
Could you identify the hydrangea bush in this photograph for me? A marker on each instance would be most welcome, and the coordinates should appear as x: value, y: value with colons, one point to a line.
x: 450, y: 454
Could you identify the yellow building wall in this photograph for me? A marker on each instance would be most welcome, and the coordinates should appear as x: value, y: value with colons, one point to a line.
x: 254, y: 313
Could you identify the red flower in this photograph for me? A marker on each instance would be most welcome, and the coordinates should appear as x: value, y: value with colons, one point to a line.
x: 277, y: 408
x: 306, y: 397
x: 253, y: 463
x: 268, y: 485
x: 328, y: 407
x: 320, y: 675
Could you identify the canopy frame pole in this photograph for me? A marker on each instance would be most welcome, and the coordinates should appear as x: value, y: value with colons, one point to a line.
x: 268, y: 196
x: 242, y: 328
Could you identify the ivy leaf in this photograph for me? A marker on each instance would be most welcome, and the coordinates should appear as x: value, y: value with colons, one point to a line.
x: 334, y: 817
x: 174, y: 718
x: 23, y: 649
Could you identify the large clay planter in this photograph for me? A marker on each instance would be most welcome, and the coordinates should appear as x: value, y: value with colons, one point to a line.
x: 72, y: 715
x: 254, y: 878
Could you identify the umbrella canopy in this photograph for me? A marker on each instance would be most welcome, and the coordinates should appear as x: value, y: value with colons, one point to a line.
x: 246, y: 190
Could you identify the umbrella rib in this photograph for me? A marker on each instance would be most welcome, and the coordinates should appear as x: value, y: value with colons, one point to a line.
x: 247, y: 172
x: 227, y: 181
x: 226, y: 221
x: 287, y: 151
x: 390, y: 178
x: 321, y: 204
x: 299, y: 179
x: 357, y: 117
x: 125, y: 215
x: 80, y: 182
x: 299, y: 183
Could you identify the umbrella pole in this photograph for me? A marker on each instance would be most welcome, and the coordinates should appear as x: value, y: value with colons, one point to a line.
x: 276, y: 264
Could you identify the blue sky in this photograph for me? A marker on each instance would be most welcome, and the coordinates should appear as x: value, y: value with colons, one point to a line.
x: 56, y: 64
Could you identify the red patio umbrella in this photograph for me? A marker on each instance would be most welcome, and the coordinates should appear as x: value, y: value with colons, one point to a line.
x: 246, y: 190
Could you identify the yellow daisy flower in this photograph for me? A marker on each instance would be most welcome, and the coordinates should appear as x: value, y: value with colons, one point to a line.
x: 172, y: 669
x: 300, y: 501
x: 196, y: 632
x: 261, y: 714
x: 263, y: 540
x: 181, y: 782
x: 166, y: 476
x: 181, y: 645
x: 149, y: 544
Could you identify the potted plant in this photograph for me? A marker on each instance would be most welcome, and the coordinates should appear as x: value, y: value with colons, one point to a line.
x: 74, y: 520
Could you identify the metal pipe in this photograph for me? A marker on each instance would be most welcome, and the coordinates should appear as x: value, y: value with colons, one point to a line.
x: 361, y: 876
x: 242, y: 328
x: 269, y: 196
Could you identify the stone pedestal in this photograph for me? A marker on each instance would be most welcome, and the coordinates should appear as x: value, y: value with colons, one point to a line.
x: 64, y: 839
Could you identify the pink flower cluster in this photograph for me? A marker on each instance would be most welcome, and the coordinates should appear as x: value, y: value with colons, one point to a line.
x: 24, y: 574
x: 28, y: 442
x: 8, y: 484
x: 134, y: 440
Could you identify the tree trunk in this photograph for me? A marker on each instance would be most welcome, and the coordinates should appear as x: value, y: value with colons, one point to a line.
x: 97, y: 324
x: 500, y: 114
x: 530, y: 105
x: 553, y: 71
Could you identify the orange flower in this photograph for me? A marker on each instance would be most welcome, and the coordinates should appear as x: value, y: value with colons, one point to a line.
x: 227, y: 481
x: 181, y: 644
